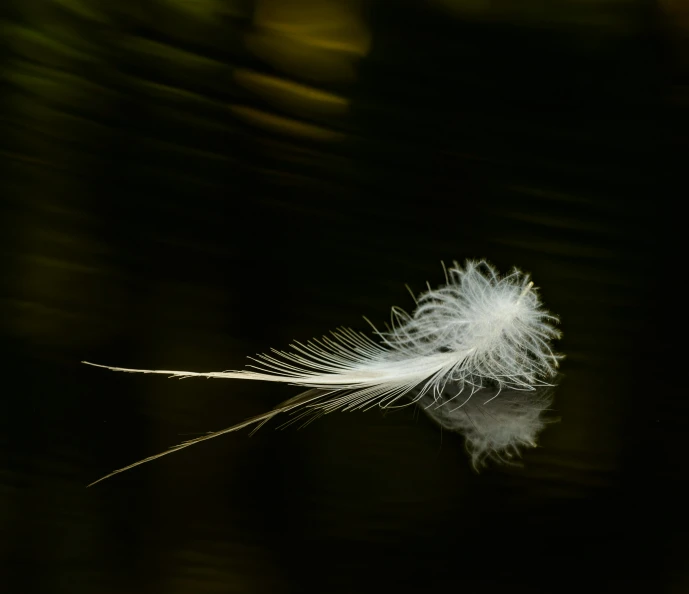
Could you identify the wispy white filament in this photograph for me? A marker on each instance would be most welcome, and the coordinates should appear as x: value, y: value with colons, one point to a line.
x: 477, y: 333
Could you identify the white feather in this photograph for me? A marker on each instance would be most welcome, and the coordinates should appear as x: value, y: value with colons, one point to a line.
x: 497, y: 428
x: 478, y: 331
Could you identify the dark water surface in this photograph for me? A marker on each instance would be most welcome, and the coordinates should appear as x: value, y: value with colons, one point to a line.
x: 185, y: 184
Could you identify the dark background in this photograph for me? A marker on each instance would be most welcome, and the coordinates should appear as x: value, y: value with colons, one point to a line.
x: 186, y: 183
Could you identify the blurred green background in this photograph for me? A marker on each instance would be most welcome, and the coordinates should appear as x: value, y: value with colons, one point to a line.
x: 186, y: 183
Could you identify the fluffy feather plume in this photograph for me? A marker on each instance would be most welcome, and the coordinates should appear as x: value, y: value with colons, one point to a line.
x: 478, y: 332
x: 497, y: 428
